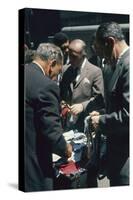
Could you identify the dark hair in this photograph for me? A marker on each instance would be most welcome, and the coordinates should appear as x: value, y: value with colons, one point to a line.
x: 60, y: 38
x: 109, y: 29
x: 49, y: 51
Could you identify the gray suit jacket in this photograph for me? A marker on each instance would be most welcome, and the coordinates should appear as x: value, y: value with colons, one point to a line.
x: 89, y: 85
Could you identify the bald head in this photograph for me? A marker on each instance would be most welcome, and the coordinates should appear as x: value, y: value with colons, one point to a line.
x: 77, y: 52
x: 78, y: 46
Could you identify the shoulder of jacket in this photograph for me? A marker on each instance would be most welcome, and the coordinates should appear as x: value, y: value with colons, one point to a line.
x: 94, y: 68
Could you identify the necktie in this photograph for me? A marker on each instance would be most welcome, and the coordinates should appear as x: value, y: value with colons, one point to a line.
x: 75, y: 73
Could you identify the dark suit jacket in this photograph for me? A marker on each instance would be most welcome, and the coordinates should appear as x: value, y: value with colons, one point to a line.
x: 116, y: 122
x: 43, y: 132
x: 89, y: 85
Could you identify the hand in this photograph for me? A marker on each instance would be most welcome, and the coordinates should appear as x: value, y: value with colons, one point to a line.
x: 68, y: 150
x: 94, y: 113
x: 64, y: 105
x: 95, y: 121
x: 76, y: 108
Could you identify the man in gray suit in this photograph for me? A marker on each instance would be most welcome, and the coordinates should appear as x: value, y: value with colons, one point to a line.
x: 115, y: 123
x: 82, y: 82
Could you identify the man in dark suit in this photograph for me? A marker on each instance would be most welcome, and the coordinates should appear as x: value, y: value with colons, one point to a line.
x: 81, y: 83
x: 43, y: 131
x: 115, y: 123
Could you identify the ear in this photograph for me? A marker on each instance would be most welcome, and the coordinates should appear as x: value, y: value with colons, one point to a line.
x: 53, y: 63
x: 109, y: 43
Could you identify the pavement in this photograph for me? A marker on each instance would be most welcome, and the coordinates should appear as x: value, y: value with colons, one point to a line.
x: 103, y: 183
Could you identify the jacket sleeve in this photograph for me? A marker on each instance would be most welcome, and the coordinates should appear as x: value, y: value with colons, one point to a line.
x: 48, y: 118
x: 119, y: 118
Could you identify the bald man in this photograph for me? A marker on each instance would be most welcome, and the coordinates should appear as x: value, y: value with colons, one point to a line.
x: 81, y: 83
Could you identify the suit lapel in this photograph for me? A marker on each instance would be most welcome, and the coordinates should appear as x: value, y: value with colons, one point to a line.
x: 83, y: 74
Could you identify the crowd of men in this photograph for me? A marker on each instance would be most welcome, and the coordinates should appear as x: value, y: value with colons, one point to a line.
x: 59, y: 74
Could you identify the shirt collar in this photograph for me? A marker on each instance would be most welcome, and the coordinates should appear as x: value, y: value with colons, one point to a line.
x: 122, y: 53
x: 39, y: 66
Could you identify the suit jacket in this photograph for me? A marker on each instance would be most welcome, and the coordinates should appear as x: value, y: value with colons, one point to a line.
x: 116, y: 122
x: 89, y: 85
x: 43, y: 132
